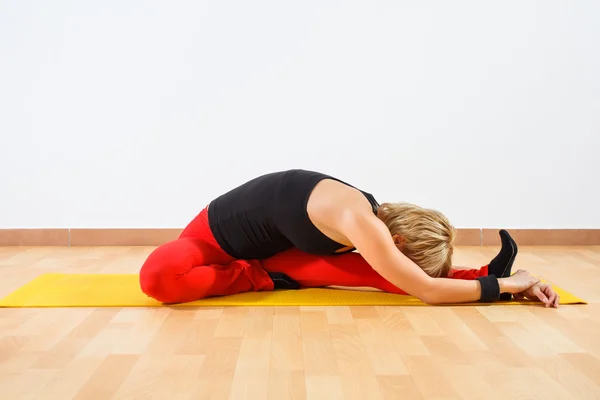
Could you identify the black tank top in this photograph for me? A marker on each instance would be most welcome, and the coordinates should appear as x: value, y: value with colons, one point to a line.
x: 268, y: 215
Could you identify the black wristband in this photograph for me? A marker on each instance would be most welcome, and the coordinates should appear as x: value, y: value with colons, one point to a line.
x: 490, y: 288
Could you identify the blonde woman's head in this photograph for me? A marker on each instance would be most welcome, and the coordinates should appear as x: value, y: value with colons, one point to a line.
x: 423, y: 235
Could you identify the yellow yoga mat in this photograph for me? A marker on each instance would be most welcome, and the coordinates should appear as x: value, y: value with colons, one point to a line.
x: 122, y: 290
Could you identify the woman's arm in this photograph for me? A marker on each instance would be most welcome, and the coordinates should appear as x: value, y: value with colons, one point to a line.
x: 373, y: 241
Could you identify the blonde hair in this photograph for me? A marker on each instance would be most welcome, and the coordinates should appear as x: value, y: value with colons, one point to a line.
x: 428, y: 234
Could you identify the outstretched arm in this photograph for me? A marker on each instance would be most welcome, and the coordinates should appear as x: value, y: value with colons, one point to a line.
x: 372, y: 239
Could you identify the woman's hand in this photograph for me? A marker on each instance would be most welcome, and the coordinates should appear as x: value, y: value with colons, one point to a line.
x: 518, y: 282
x: 540, y: 291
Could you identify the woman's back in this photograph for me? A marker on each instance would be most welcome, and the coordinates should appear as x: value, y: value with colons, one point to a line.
x: 268, y: 214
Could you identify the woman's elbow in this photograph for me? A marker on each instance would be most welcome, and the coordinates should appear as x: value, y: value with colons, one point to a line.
x: 426, y: 298
x: 431, y: 299
x: 428, y: 293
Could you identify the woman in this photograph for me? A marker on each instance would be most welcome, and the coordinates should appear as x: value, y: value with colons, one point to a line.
x: 299, y: 222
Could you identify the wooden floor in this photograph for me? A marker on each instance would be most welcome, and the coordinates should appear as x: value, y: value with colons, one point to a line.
x: 367, y: 353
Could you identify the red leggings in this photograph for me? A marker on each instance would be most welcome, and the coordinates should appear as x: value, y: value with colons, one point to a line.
x: 194, y: 266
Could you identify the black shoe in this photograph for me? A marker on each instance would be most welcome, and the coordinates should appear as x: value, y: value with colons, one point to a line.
x: 501, y: 265
x: 282, y: 281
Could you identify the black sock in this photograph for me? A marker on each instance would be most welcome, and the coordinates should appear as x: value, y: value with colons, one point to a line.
x: 501, y: 265
x: 282, y: 281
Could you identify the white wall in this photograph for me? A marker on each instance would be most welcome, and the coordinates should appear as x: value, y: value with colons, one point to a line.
x: 137, y: 113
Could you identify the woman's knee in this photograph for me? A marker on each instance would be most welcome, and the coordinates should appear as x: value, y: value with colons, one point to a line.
x: 158, y: 275
x: 152, y: 275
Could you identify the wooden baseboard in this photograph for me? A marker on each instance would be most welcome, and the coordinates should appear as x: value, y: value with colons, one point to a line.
x: 34, y: 237
x: 122, y: 237
x: 468, y: 237
x: 86, y: 237
x: 545, y: 237
x: 155, y: 237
